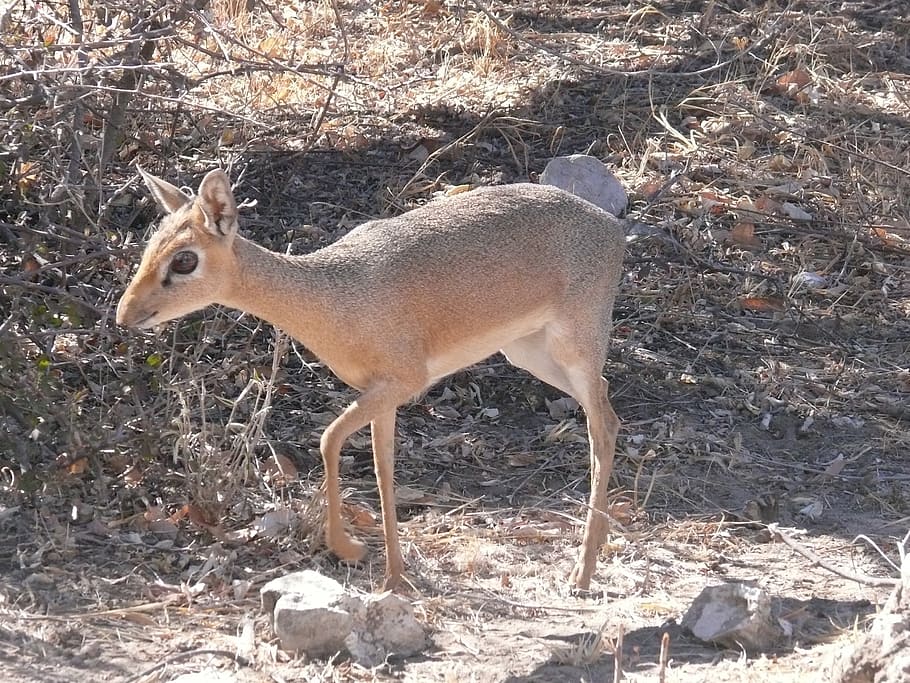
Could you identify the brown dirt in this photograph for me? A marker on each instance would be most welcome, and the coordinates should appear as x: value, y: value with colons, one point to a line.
x: 124, y: 510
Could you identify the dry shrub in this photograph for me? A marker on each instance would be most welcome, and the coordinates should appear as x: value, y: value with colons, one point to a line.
x: 487, y: 45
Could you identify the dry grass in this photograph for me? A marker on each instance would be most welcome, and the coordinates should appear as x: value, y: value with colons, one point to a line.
x: 759, y: 336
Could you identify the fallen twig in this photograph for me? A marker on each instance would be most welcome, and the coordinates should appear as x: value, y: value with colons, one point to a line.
x: 824, y: 564
x: 243, y: 661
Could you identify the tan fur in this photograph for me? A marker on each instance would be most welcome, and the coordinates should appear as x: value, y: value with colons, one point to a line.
x: 399, y: 303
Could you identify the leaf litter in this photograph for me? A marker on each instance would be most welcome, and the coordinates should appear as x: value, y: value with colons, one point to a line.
x: 760, y: 352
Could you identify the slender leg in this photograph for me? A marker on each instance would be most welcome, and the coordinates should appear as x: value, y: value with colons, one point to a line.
x: 603, y: 426
x: 376, y: 405
x: 573, y: 366
x: 383, y: 428
x: 337, y: 539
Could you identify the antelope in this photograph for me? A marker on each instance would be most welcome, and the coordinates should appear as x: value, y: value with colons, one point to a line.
x: 400, y: 303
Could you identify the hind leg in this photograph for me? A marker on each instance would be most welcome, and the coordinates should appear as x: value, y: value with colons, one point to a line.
x: 573, y: 363
x: 603, y: 427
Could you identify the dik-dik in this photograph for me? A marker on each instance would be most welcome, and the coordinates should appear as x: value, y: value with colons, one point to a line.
x: 399, y: 303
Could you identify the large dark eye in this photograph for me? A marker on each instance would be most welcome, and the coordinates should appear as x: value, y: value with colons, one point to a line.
x: 184, y: 262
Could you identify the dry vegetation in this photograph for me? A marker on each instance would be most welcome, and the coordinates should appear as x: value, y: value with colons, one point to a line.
x: 151, y: 482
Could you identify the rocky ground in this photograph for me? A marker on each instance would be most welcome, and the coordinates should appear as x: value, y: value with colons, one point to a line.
x: 152, y: 482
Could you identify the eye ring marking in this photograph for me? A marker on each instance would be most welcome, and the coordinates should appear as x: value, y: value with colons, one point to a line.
x: 184, y: 262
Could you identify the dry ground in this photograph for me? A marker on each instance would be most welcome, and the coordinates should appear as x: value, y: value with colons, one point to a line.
x: 761, y: 362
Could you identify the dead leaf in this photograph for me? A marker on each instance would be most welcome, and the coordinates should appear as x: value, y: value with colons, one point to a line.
x: 30, y: 266
x: 650, y: 189
x: 522, y: 458
x: 78, y: 466
x: 793, y: 81
x: 133, y: 475
x: 833, y: 468
x: 762, y: 304
x: 419, y: 154
x: 197, y: 517
x: 154, y: 513
x: 889, y: 238
x: 279, y: 469
x: 29, y: 174
x: 621, y: 512
x: 766, y: 205
x: 780, y: 163
x: 412, y: 496
x: 745, y: 151
x: 360, y: 516
x: 458, y: 189
x: 813, y: 510
x: 93, y: 120
x: 274, y: 524
x: 713, y: 203
x: 273, y: 46
x: 567, y: 431
x: 138, y: 618
x: 810, y: 280
x: 743, y: 234
x: 795, y: 212
x: 164, y: 528
x: 432, y: 7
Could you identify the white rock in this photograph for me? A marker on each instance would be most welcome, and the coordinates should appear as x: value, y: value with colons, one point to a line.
x: 386, y: 626
x: 304, y: 622
x: 736, y: 616
x: 317, y: 615
x: 308, y: 582
x: 809, y: 279
x: 588, y: 178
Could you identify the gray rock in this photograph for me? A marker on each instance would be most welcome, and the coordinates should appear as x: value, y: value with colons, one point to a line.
x: 310, y: 623
x: 317, y: 615
x: 386, y: 626
x: 307, y: 582
x: 736, y: 616
x: 587, y: 177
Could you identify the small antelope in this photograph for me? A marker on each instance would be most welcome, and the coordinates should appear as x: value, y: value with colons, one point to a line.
x: 399, y: 303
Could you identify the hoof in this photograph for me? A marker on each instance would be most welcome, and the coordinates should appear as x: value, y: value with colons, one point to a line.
x: 580, y: 579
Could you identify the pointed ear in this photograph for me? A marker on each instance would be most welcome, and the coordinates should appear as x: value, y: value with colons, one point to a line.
x: 217, y: 203
x: 169, y: 197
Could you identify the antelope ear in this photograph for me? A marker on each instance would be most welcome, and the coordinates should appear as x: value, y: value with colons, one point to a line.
x: 169, y: 197
x: 217, y: 203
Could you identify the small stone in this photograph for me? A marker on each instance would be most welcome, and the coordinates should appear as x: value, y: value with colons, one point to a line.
x: 307, y: 582
x: 320, y: 630
x: 587, y: 177
x: 318, y: 616
x: 736, y: 616
x: 386, y: 626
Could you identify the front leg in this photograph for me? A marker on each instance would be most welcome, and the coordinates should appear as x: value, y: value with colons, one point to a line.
x: 375, y: 405
x: 342, y: 544
x: 383, y: 431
